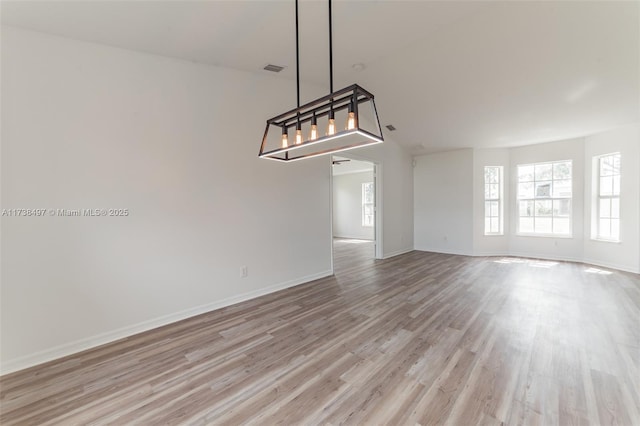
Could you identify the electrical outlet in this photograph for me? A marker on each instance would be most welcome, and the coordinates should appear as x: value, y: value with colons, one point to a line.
x: 244, y: 272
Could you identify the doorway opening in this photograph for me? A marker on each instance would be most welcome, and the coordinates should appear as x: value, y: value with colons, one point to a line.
x: 355, y: 212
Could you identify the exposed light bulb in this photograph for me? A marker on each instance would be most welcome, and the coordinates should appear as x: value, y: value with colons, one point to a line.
x: 285, y: 138
x: 313, y: 134
x: 298, y: 137
x: 351, y: 121
x: 351, y: 118
x: 331, y: 127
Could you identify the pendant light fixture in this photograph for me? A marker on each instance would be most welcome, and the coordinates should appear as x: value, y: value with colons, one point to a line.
x: 353, y: 106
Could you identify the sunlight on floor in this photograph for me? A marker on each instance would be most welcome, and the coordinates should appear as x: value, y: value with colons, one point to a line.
x: 542, y: 264
x: 510, y: 260
x: 350, y: 241
x: 531, y: 262
x: 598, y: 271
x: 547, y: 264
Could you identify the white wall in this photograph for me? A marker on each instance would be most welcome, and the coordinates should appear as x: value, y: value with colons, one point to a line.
x: 396, y: 211
x: 625, y: 254
x: 89, y: 126
x: 443, y: 202
x: 347, y: 206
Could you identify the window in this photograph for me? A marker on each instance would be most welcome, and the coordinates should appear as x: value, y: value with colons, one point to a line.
x: 608, y: 197
x: 493, y: 201
x: 367, y: 204
x: 544, y: 198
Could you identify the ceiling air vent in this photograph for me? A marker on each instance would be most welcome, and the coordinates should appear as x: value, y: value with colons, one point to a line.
x: 273, y: 68
x: 390, y: 127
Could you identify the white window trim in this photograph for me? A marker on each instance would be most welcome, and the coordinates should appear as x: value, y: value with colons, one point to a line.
x: 559, y: 236
x: 365, y: 204
x: 500, y: 201
x: 518, y: 199
x: 604, y: 240
x: 598, y: 197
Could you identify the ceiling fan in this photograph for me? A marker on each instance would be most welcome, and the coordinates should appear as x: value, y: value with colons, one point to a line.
x: 337, y: 162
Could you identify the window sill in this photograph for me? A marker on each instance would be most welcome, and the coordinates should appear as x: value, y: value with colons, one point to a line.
x: 603, y: 240
x: 494, y: 235
x: 564, y: 236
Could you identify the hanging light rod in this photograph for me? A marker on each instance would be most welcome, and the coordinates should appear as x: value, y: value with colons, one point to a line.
x: 353, y: 106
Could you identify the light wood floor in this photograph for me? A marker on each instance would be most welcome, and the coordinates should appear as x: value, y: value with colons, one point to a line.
x: 420, y: 338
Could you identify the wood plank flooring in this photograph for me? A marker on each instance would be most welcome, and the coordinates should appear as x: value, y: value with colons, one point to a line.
x: 421, y: 338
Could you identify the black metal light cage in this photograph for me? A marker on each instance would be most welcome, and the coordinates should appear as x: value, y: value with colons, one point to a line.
x: 365, y: 129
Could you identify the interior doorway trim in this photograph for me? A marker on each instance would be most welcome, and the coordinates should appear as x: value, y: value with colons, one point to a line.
x: 378, y: 203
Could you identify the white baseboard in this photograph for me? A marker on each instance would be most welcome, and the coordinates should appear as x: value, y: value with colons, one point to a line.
x: 611, y: 265
x: 397, y: 253
x: 545, y: 256
x: 71, y: 348
x: 490, y: 254
x: 354, y: 237
x: 445, y: 251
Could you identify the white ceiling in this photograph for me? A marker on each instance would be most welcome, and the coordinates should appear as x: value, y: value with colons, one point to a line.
x: 448, y: 74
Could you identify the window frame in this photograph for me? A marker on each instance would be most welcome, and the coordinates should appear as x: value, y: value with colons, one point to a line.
x: 499, y: 200
x: 364, y: 222
x: 550, y: 198
x: 598, y: 197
